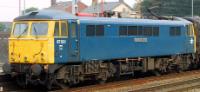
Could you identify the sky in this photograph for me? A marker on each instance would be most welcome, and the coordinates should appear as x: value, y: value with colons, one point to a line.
x: 9, y: 9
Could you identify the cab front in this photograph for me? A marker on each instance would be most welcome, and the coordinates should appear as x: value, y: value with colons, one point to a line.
x: 31, y: 42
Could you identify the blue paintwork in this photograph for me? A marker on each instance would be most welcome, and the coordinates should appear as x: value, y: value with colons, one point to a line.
x: 61, y: 50
x: 66, y: 49
x: 73, y: 41
x: 112, y: 46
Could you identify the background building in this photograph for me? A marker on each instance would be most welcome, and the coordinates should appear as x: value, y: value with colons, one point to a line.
x: 118, y: 8
x: 67, y: 6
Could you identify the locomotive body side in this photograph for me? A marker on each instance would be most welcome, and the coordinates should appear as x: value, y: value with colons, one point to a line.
x: 110, y: 44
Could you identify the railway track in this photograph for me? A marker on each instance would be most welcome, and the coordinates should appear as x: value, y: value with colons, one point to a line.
x: 166, y: 83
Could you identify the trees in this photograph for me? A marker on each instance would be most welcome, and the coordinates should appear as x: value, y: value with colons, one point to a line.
x: 137, y: 6
x: 180, y: 8
x: 2, y: 27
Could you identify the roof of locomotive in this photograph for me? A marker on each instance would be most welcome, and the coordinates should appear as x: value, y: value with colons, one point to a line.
x: 130, y: 21
x: 60, y: 15
x: 46, y: 14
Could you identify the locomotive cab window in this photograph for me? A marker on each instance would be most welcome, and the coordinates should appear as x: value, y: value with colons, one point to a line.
x: 56, y: 29
x: 64, y: 31
x: 39, y: 28
x: 73, y: 30
x: 20, y: 29
x: 60, y: 29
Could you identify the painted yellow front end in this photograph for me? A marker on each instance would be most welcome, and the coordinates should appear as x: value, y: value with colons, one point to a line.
x: 30, y: 49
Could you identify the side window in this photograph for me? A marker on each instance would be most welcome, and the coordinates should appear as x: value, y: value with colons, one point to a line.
x: 64, y: 29
x: 123, y: 30
x: 172, y: 32
x: 156, y: 31
x: 132, y: 30
x: 73, y: 30
x: 140, y: 30
x: 56, y: 29
x: 178, y: 31
x: 147, y: 31
x: 95, y: 30
x: 175, y: 31
x: 99, y: 30
x: 90, y: 30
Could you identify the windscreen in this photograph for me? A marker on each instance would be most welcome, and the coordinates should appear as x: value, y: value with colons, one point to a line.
x: 20, y: 29
x: 39, y: 28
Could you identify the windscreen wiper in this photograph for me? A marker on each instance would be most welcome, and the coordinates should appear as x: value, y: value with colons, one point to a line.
x: 25, y: 30
x: 35, y: 30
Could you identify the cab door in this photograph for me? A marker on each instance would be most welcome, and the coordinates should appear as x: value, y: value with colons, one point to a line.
x: 61, y: 39
x: 73, y: 40
x: 191, y: 39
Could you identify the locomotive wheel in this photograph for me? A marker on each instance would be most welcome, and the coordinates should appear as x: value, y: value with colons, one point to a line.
x: 101, y: 81
x: 52, y: 83
x: 22, y: 80
x: 156, y: 72
x: 104, y: 78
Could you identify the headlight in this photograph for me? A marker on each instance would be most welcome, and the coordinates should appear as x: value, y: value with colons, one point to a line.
x: 191, y: 41
x: 46, y: 67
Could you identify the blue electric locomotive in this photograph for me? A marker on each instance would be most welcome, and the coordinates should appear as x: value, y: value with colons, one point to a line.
x: 73, y: 49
